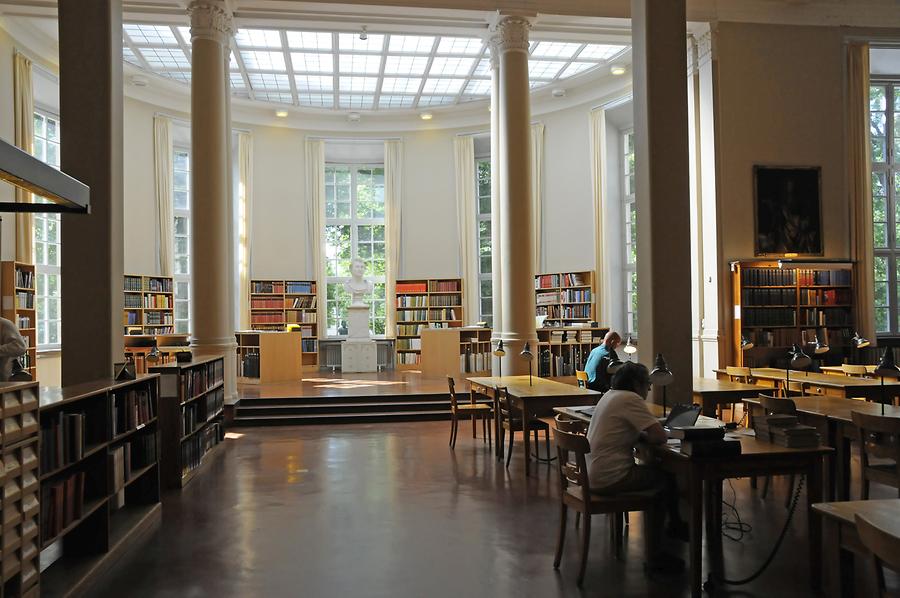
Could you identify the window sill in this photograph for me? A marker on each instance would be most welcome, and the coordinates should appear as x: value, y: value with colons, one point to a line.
x: 48, y: 351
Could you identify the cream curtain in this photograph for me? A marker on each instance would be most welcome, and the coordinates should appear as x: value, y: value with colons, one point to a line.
x: 315, y: 201
x: 464, y: 159
x: 860, y: 177
x: 393, y: 195
x: 537, y: 191
x: 24, y: 131
x: 602, y: 286
x: 163, y: 167
x: 245, y: 197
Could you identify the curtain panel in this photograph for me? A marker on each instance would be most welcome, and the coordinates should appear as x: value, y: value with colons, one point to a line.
x: 163, y: 173
x: 24, y: 136
x: 393, y: 195
x: 464, y: 161
x: 245, y: 201
x: 315, y: 201
x: 602, y: 284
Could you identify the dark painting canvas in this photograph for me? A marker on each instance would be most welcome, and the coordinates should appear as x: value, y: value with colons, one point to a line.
x: 788, y: 210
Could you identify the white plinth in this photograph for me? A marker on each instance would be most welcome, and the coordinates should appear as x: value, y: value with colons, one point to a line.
x: 358, y: 322
x: 359, y: 356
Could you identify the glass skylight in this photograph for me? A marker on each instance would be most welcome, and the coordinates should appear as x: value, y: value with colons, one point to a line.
x: 337, y: 70
x: 411, y: 44
x: 257, y: 38
x: 308, y: 40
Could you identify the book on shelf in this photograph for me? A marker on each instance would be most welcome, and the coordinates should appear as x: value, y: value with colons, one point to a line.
x: 444, y: 300
x: 443, y: 286
x: 134, y: 283
x: 547, y: 298
x: 411, y: 287
x: 117, y: 477
x: 62, y: 503
x: 25, y: 279
x: 308, y: 345
x: 23, y: 322
x: 267, y: 318
x: 412, y: 301
x: 131, y: 409
x: 408, y: 358
x: 308, y: 302
x: 62, y: 440
x: 300, y: 317
x: 267, y: 287
x: 24, y: 300
x: 195, y: 447
x: 266, y: 303
x: 299, y: 287
x: 158, y: 285
x: 157, y: 301
x: 409, y: 343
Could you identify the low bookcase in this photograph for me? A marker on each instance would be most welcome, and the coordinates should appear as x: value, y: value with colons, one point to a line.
x: 191, y: 412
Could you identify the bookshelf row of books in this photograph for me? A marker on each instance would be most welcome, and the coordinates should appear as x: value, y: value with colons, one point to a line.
x: 309, y: 345
x: 781, y: 337
x: 23, y: 322
x: 412, y: 301
x: 444, y: 286
x: 565, y: 312
x: 769, y: 317
x: 267, y: 318
x: 405, y: 344
x: 448, y: 315
x: 569, y: 279
x: 444, y: 300
x: 27, y: 358
x: 768, y: 277
x: 131, y: 318
x: 474, y: 362
x: 409, y: 358
x: 158, y: 318
x: 130, y: 410
x: 563, y: 363
x: 159, y: 330
x: 546, y: 298
x: 300, y: 317
x: 410, y: 287
x: 825, y: 277
x: 825, y: 317
x: 158, y: 284
x: 305, y: 287
x: 306, y: 302
x: 199, y: 379
x: 248, y: 363
x: 826, y: 297
x: 195, y: 447
x: 769, y: 296
x: 157, y: 301
x: 133, y: 301
x: 24, y: 299
x: 264, y: 287
x: 196, y: 414
x: 62, y: 503
x: 134, y: 284
x: 25, y: 279
x: 62, y: 440
x: 409, y: 329
x: 266, y: 303
x: 562, y: 336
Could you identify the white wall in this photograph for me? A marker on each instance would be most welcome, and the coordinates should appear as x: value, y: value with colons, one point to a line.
x: 141, y: 254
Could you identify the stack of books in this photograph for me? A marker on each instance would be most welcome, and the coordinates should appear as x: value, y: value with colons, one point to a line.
x: 784, y: 430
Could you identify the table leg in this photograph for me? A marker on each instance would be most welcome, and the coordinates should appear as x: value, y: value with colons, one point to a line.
x: 695, y: 497
x: 814, y: 495
x: 526, y: 441
x: 708, y: 406
x: 713, y: 508
x: 838, y: 569
x: 842, y: 463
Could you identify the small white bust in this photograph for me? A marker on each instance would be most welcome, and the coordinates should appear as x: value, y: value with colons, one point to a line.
x: 357, y: 286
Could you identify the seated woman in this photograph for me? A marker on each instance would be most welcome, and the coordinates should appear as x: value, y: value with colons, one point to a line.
x: 621, y: 420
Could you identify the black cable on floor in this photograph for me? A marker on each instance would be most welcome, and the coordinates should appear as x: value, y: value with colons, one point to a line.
x: 710, y: 584
x: 738, y: 527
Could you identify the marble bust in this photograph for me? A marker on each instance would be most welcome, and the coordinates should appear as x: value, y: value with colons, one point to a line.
x: 358, y: 287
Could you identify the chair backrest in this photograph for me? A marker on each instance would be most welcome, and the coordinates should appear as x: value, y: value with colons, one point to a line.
x: 571, y: 450
x: 738, y: 374
x: 879, y: 436
x: 582, y: 378
x: 884, y: 548
x: 777, y: 406
x: 571, y: 425
x: 453, y: 402
x: 502, y: 395
x: 854, y: 370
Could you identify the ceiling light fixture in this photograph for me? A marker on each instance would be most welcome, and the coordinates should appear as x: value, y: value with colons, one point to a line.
x: 363, y: 35
x: 353, y: 117
x: 281, y: 113
x: 617, y: 70
x: 558, y: 93
x: 426, y: 116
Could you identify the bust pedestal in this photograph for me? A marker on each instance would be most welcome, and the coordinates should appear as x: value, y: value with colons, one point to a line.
x: 359, y: 353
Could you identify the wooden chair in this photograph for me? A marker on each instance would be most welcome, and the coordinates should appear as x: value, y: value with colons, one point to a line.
x: 476, y: 410
x: 512, y: 422
x: 736, y: 374
x: 778, y: 406
x: 855, y: 371
x: 575, y: 493
x: 884, y: 549
x: 582, y: 378
x: 879, y: 438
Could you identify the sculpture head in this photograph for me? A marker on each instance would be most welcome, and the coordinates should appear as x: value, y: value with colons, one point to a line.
x: 357, y: 267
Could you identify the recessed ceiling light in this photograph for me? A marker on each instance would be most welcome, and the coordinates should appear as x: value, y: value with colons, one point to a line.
x: 426, y: 116
x: 617, y: 69
x: 281, y: 113
x: 353, y: 117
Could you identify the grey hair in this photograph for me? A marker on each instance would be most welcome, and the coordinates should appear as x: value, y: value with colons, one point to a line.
x: 630, y: 376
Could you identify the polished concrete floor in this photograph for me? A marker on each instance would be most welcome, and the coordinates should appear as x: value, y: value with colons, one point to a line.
x: 389, y: 511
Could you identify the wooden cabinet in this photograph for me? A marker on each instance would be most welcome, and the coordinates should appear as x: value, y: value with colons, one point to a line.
x: 454, y: 351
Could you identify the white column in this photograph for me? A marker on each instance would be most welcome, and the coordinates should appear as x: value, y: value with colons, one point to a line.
x: 515, y: 221
x: 496, y: 268
x: 211, y: 267
x: 659, y: 32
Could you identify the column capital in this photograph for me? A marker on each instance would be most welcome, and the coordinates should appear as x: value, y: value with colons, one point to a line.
x: 509, y: 33
x: 212, y: 20
x: 494, y: 51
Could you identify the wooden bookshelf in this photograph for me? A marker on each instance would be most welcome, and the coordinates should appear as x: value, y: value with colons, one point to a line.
x: 191, y: 414
x: 778, y: 303
x: 149, y: 305
x: 424, y: 303
x: 277, y: 304
x: 562, y: 350
x: 20, y: 508
x: 269, y: 356
x: 18, y: 285
x: 566, y: 298
x: 454, y: 351
x: 99, y: 477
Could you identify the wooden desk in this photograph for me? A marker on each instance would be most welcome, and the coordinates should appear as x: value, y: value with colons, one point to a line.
x: 712, y: 393
x: 831, y: 417
x: 704, y: 477
x: 837, y: 370
x: 533, y: 400
x: 839, y: 386
x: 841, y: 542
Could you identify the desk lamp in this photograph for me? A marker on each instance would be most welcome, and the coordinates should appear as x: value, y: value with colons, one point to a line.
x: 797, y: 360
x: 888, y: 368
x: 746, y: 344
x: 501, y: 353
x: 629, y: 348
x: 859, y: 343
x: 661, y: 375
x: 527, y: 354
x: 614, y: 366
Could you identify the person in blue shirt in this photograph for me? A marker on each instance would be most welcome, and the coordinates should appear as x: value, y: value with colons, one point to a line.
x: 599, y: 359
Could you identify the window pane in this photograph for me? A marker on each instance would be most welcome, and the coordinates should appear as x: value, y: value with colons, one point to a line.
x: 181, y: 290
x: 881, y: 269
x: 181, y: 200
x: 877, y: 99
x: 182, y: 265
x: 181, y: 225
